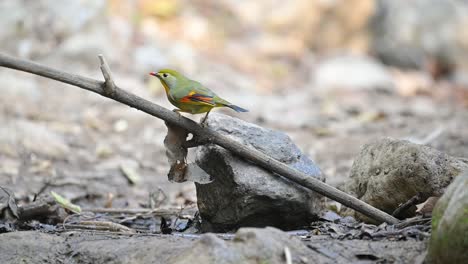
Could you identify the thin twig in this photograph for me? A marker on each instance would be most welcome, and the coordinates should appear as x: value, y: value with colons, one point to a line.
x: 211, y: 136
x: 156, y: 212
x: 42, y: 189
x: 81, y: 229
x: 414, y: 221
x: 419, y: 229
x: 109, y: 87
x: 100, y: 225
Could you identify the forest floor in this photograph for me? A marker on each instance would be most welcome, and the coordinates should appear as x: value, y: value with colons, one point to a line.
x: 55, y: 137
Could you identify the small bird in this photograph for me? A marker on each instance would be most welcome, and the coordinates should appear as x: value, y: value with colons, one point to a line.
x: 190, y: 96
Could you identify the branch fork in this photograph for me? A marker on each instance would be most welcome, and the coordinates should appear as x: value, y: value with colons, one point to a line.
x: 109, y: 84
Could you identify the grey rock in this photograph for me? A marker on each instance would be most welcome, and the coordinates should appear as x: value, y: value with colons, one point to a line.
x: 243, y: 194
x: 449, y: 242
x: 250, y: 245
x: 352, y: 72
x: 388, y: 172
x: 407, y: 33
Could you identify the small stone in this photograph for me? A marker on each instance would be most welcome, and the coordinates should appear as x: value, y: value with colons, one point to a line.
x: 243, y: 194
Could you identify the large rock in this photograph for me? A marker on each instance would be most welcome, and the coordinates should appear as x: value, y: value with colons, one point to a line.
x: 449, y: 239
x: 388, y: 172
x: 250, y: 245
x: 243, y: 194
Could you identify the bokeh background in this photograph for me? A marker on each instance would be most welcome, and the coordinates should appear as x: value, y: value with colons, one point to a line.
x: 333, y: 74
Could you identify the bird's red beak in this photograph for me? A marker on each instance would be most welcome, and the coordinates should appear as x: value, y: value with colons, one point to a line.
x: 154, y: 74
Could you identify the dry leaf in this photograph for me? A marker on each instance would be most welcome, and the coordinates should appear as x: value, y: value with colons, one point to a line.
x: 176, y: 154
x: 367, y: 117
x: 427, y: 207
x: 7, y: 202
x: 130, y: 173
x: 65, y: 203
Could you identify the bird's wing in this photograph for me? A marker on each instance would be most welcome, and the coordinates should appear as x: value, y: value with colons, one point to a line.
x: 198, y: 98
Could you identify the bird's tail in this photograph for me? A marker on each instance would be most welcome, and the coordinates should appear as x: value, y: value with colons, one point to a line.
x: 236, y: 108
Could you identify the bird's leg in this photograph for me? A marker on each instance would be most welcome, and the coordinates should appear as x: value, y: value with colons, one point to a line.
x: 175, y: 110
x: 203, y: 121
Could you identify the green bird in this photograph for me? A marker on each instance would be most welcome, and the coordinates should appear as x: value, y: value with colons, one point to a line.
x: 190, y: 96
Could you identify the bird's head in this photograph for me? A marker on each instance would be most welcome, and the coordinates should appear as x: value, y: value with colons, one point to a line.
x: 168, y: 77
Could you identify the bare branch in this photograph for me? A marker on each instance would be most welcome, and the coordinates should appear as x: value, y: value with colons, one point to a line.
x: 235, y: 147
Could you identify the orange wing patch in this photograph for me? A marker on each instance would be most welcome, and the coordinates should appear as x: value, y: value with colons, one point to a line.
x: 185, y: 99
x: 193, y: 97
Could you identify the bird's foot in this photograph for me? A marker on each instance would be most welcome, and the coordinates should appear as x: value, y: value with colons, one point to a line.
x: 203, y: 121
x: 176, y: 111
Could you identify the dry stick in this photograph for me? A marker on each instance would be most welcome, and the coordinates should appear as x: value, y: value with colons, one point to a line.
x: 100, y: 225
x: 407, y: 205
x: 157, y: 212
x: 206, y: 134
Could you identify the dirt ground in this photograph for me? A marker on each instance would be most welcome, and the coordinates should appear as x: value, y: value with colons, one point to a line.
x: 85, y: 247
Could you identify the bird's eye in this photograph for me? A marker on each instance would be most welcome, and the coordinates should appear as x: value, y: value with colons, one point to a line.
x: 164, y: 75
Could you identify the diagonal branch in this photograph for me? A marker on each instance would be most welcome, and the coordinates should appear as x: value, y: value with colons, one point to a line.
x: 204, y: 134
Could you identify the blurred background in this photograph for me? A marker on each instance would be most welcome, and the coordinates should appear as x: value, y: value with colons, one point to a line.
x: 333, y: 74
